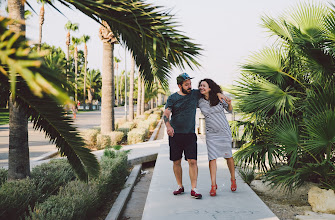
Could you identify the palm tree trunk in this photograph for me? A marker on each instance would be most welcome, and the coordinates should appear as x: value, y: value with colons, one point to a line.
x: 117, y: 86
x: 41, y: 25
x: 75, y: 75
x: 18, y: 157
x: 131, y: 90
x: 121, y: 80
x: 85, y: 75
x: 139, y: 89
x: 143, y: 97
x: 67, y: 56
x: 107, y: 91
x: 152, y: 103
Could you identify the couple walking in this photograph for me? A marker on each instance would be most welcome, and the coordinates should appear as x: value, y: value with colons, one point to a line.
x: 181, y: 130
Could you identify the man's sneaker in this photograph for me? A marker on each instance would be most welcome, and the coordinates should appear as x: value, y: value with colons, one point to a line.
x: 179, y: 190
x: 196, y: 194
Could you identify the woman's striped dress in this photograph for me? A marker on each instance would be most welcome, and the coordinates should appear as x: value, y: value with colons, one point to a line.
x: 218, y: 133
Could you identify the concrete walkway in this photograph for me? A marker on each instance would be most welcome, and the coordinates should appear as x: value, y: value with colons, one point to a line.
x: 161, y: 204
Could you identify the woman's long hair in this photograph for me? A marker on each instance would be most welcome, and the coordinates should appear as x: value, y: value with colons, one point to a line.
x: 215, y: 89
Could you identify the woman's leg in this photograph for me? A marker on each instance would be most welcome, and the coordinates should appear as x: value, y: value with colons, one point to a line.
x: 212, y: 170
x: 231, y: 166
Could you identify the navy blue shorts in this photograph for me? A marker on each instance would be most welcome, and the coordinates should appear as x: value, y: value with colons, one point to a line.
x: 183, y: 143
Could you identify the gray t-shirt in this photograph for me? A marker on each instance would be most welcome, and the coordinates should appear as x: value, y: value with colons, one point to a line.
x: 183, y: 110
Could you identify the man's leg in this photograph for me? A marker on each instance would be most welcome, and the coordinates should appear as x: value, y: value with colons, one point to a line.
x: 178, y: 172
x: 193, y: 170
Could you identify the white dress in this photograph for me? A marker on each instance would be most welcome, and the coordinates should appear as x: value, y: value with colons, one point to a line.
x: 218, y: 133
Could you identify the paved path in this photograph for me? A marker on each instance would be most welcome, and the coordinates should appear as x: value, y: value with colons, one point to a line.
x: 39, y: 145
x: 161, y: 204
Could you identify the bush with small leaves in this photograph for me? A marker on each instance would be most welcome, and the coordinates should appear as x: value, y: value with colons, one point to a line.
x: 77, y: 200
x: 90, y: 137
x: 137, y: 135
x: 49, y: 177
x: 103, y: 141
x: 119, y: 122
x: 116, y: 137
x: 158, y: 113
x: 16, y: 197
x: 144, y: 124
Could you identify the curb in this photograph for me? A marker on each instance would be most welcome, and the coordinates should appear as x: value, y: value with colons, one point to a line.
x: 122, y: 199
x: 124, y: 195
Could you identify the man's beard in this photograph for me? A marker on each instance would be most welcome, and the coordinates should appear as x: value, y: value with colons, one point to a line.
x: 185, y: 91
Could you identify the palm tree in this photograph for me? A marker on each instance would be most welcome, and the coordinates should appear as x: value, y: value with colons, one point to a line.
x: 162, y: 46
x: 84, y: 39
x: 131, y: 90
x: 94, y: 85
x: 18, y: 156
x: 34, y: 90
x: 116, y: 66
x: 139, y: 94
x: 76, y: 42
x: 41, y: 22
x: 69, y: 27
x: 286, y: 97
x: 107, y: 99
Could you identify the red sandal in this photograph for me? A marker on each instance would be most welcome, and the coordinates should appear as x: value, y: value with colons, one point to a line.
x: 233, y: 186
x: 213, y: 190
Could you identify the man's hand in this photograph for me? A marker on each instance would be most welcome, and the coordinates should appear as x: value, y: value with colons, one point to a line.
x: 166, y: 116
x: 170, y: 130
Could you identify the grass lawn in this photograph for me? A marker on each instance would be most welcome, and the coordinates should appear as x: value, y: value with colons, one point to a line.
x: 4, y: 116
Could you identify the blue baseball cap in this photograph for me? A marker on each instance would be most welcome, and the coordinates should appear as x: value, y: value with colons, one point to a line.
x: 182, y: 77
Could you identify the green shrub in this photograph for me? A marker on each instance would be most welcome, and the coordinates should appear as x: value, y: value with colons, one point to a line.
x: 153, y: 122
x: 153, y: 117
x: 113, y: 172
x: 103, y: 141
x: 90, y: 137
x: 147, y: 113
x: 116, y: 137
x: 16, y: 197
x: 49, y: 177
x: 144, y: 124
x: 117, y: 147
x: 77, y: 200
x: 137, y: 135
x: 247, y: 174
x: 3, y: 176
x: 126, y: 127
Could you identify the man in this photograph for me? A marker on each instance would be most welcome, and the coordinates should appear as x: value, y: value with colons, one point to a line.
x: 181, y: 131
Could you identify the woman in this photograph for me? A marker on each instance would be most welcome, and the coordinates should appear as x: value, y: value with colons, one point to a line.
x: 218, y: 134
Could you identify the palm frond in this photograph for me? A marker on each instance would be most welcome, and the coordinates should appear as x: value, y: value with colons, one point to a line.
x: 147, y: 31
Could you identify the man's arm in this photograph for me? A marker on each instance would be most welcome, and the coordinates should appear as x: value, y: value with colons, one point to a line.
x: 166, y: 118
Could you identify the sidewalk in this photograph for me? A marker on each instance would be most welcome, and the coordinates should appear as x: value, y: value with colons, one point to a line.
x: 243, y: 204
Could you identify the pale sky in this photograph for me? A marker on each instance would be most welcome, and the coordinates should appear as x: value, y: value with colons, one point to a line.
x: 228, y: 31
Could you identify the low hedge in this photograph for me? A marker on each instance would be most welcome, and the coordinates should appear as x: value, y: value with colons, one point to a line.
x: 49, y: 177
x: 116, y: 137
x: 78, y: 200
x: 137, y: 135
x: 126, y: 127
x: 90, y: 137
x: 103, y: 141
x: 16, y: 197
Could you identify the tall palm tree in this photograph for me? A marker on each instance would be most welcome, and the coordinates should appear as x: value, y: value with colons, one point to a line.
x: 131, y: 90
x: 69, y: 27
x: 161, y: 46
x: 107, y: 99
x: 85, y: 39
x: 76, y: 42
x: 94, y: 85
x: 116, y: 66
x: 41, y: 22
x: 139, y: 94
x: 18, y: 156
